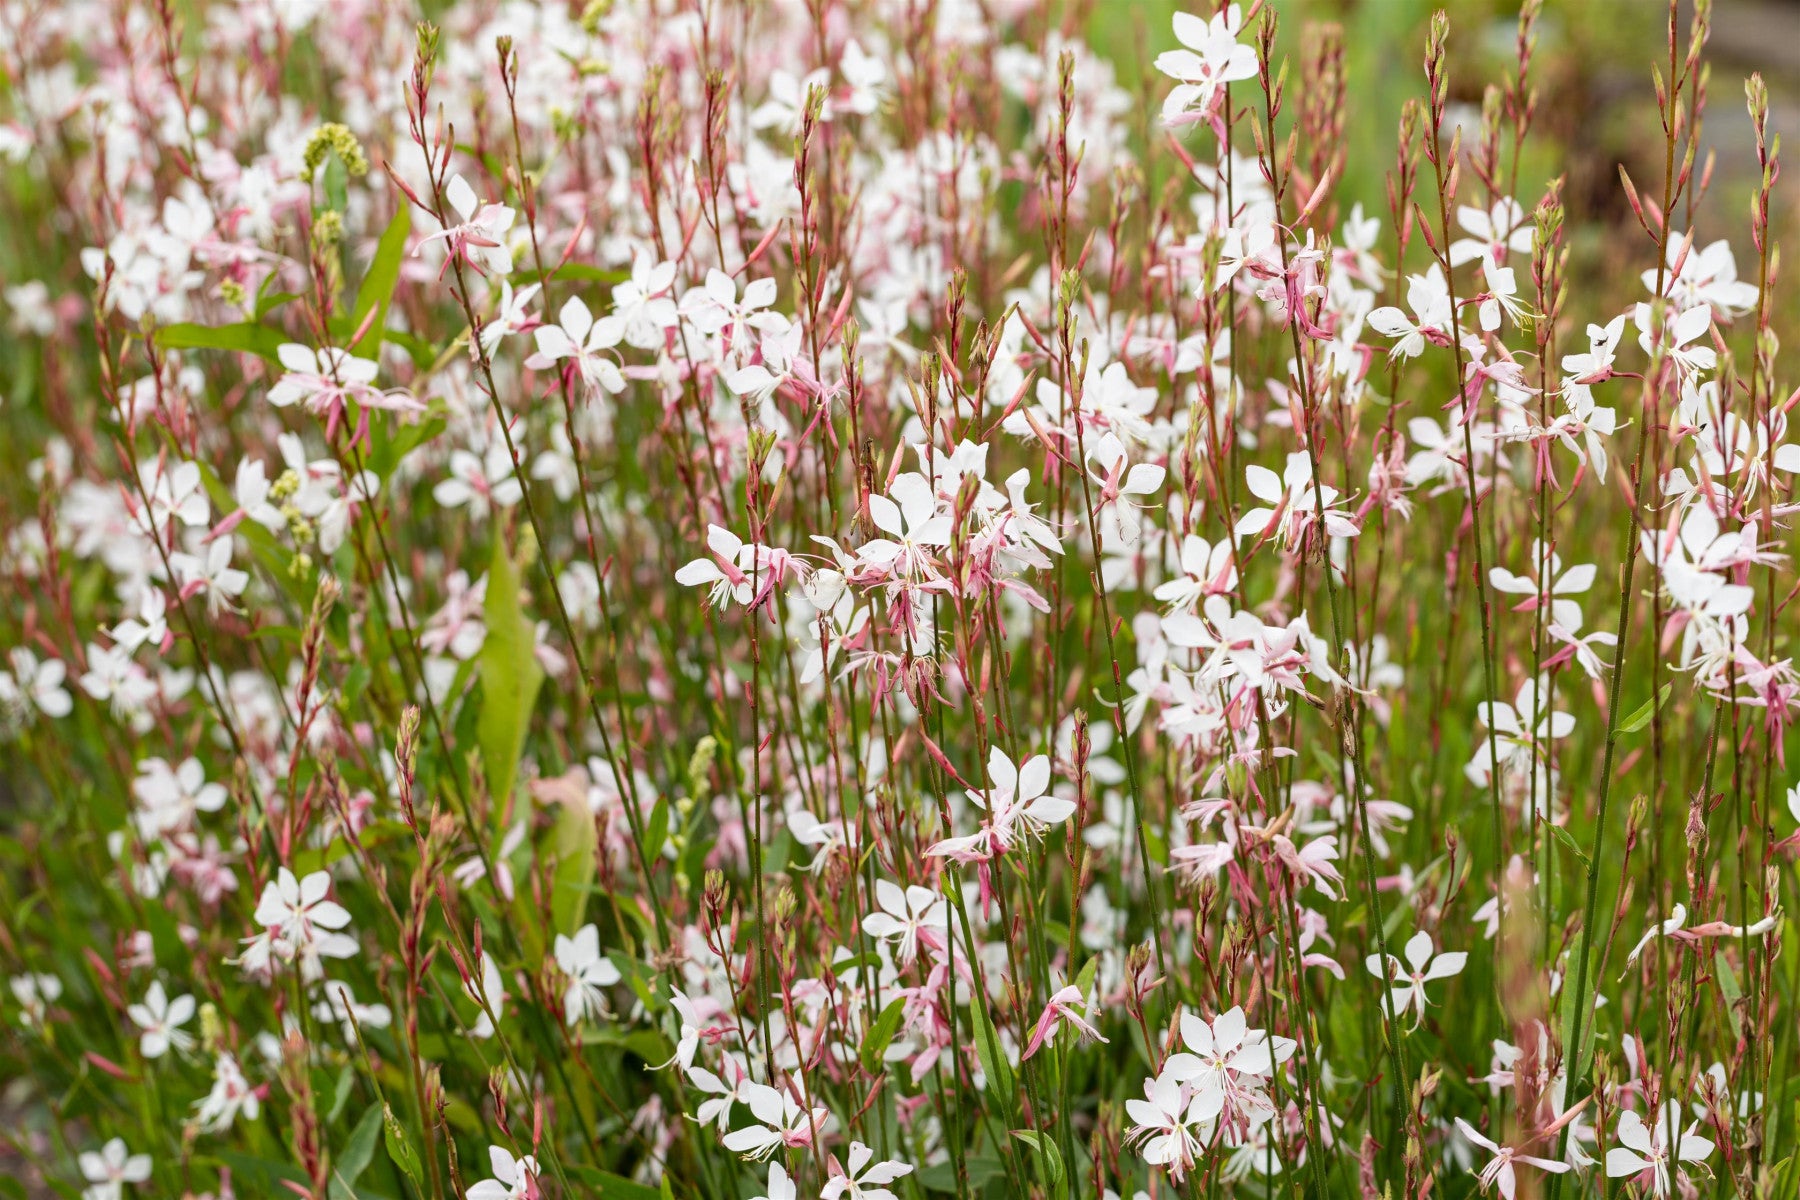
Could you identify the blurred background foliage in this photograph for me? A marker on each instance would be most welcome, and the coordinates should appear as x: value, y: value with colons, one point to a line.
x: 1596, y: 104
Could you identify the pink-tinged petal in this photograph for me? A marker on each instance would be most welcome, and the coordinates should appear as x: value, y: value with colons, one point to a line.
x: 1474, y: 1135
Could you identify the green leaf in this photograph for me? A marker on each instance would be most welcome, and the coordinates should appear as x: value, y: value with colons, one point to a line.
x: 510, y: 676
x: 647, y: 1044
x: 165, y: 937
x: 1049, y: 1157
x: 658, y: 831
x: 356, y: 1155
x: 608, y: 1186
x: 268, y: 301
x: 1641, y: 717
x: 875, y: 1041
x: 941, y: 1177
x: 340, y: 1092
x: 989, y: 1051
x: 1728, y: 986
x: 575, y: 848
x: 1568, y: 841
x: 1566, y: 1009
x: 1084, y: 979
x: 401, y: 1150
x: 1157, y: 848
x: 386, y: 450
x: 244, y: 337
x: 377, y: 288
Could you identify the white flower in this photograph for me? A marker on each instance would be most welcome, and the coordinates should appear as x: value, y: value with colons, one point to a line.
x: 1173, y: 1124
x: 314, y: 377
x: 1428, y: 295
x: 588, y: 970
x: 1492, y: 232
x: 725, y: 575
x: 514, y: 1178
x: 41, y: 683
x: 915, y: 915
x: 1500, y: 1170
x: 1502, y: 295
x: 867, y: 76
x: 1686, y: 327
x: 1018, y: 794
x: 1707, y: 276
x: 214, y: 575
x: 1120, y: 482
x: 111, y: 1169
x: 640, y: 305
x: 176, y: 494
x: 1410, y: 979
x: 1213, y: 58
x: 1645, y: 1149
x: 231, y: 1095
x: 150, y: 626
x: 909, y: 515
x: 511, y: 315
x: 1603, y: 348
x: 338, y: 1003
x: 326, y: 379
x: 299, y: 924
x: 1225, y: 1055
x: 481, y: 482
x: 781, y: 1187
x: 169, y: 797
x: 579, y: 337
x: 1516, y: 729
x: 716, y: 1110
x: 863, y: 1180
x: 716, y: 308
x: 480, y: 239
x: 161, y: 1020
x: 35, y: 994
x: 1572, y: 582
x: 1207, y: 569
x: 787, y: 100
x: 783, y: 1122
x: 1297, y: 502
x: 490, y: 1001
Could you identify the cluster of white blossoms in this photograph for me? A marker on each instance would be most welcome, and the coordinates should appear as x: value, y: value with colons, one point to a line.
x: 678, y: 598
